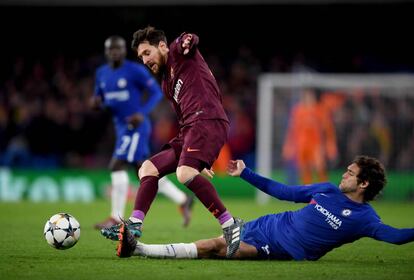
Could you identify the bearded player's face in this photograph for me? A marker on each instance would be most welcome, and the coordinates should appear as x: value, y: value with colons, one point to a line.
x: 153, y: 57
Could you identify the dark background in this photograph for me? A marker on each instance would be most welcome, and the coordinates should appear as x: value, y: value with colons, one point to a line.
x: 50, y: 53
x: 330, y: 35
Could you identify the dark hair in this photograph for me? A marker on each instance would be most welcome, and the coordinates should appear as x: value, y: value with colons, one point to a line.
x: 373, y: 172
x: 115, y: 38
x: 149, y: 34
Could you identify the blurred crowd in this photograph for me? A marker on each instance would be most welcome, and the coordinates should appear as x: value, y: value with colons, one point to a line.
x: 45, y: 121
x: 326, y: 129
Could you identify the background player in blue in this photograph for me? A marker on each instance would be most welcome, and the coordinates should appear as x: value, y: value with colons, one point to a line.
x: 332, y: 217
x: 120, y: 85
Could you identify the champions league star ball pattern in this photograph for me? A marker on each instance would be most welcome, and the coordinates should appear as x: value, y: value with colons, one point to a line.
x: 62, y: 231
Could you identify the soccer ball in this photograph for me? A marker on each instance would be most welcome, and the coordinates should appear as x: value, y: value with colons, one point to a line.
x: 62, y: 231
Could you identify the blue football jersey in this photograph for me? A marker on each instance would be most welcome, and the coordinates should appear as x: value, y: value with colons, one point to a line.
x: 123, y: 90
x: 329, y: 220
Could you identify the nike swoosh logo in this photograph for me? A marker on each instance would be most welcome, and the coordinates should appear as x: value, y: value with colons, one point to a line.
x: 192, y: 150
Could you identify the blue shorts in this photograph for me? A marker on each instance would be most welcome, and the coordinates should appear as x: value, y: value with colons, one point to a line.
x: 259, y: 234
x: 132, y: 145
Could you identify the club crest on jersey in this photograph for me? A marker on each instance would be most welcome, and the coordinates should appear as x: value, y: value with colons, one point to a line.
x: 346, y: 212
x: 122, y: 82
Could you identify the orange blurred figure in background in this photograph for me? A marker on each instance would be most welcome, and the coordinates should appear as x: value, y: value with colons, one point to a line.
x: 311, y: 137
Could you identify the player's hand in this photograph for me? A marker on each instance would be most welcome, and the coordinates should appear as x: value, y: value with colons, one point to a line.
x: 235, y: 167
x: 186, y: 45
x: 208, y: 172
x: 134, y: 120
x: 95, y: 102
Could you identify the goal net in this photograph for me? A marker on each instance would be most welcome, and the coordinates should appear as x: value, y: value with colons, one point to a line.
x: 309, y: 124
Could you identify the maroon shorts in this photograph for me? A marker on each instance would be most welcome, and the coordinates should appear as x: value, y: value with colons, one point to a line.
x: 197, y: 145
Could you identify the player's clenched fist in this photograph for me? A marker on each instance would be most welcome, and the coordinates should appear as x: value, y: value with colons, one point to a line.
x: 235, y: 167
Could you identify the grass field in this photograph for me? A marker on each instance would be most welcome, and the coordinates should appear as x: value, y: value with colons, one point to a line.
x: 24, y: 253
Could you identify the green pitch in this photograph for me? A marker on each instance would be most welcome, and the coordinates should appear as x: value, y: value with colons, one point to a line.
x: 24, y: 253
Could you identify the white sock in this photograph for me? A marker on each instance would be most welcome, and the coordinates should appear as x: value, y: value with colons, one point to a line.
x: 119, y: 194
x: 167, y: 188
x: 227, y: 223
x: 135, y: 220
x: 164, y: 251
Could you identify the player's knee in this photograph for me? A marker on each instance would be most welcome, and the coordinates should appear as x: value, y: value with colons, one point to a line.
x: 185, y: 174
x: 182, y: 178
x: 147, y: 169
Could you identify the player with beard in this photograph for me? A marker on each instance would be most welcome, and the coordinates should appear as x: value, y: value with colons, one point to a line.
x: 333, y: 216
x: 190, y: 86
x: 120, y: 85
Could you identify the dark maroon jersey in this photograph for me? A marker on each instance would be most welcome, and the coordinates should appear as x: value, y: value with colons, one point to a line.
x: 191, y: 87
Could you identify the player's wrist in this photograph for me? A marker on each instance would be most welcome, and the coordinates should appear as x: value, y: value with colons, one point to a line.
x: 244, y: 172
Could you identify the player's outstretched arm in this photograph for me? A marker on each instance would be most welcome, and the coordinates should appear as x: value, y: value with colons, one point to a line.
x: 269, y: 186
x: 235, y: 167
x: 393, y: 235
x: 188, y: 43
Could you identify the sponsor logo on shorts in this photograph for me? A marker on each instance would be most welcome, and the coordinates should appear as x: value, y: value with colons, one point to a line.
x: 266, y: 249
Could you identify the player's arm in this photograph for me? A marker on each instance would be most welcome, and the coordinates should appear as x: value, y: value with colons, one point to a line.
x: 386, y: 233
x: 271, y: 187
x: 187, y: 43
x: 96, y: 100
x: 134, y: 120
x: 147, y: 82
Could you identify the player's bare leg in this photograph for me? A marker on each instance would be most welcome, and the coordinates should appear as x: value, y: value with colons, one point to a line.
x: 207, y: 194
x: 203, y: 249
x: 217, y: 248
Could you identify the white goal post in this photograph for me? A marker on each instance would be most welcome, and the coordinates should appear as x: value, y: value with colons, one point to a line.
x: 269, y: 83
